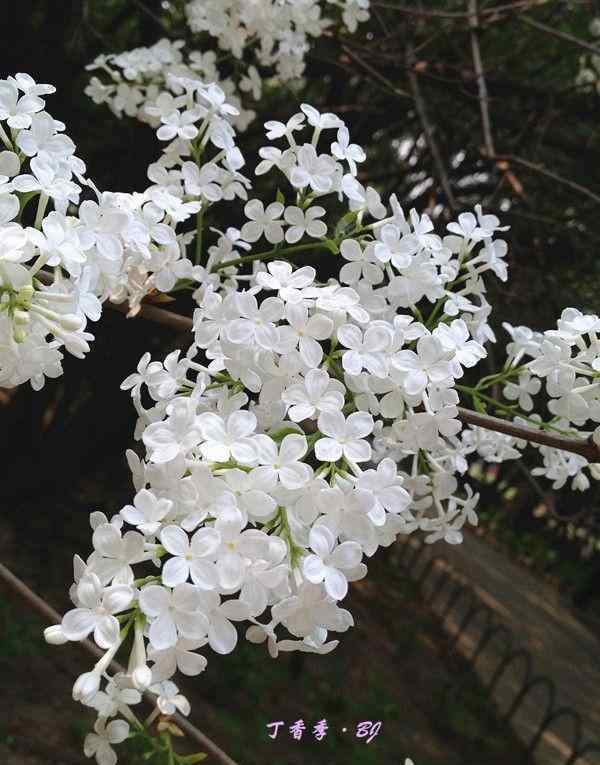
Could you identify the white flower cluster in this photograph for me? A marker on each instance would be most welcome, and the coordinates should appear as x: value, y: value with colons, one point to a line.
x: 37, y: 320
x: 564, y: 365
x: 145, y: 82
x: 112, y: 246
x: 308, y: 424
x: 588, y: 76
x: 278, y: 30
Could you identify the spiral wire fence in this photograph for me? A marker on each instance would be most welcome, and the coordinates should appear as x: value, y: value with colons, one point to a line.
x: 551, y: 733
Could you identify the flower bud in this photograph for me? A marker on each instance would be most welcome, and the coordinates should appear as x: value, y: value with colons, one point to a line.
x: 170, y: 727
x: 70, y: 322
x: 19, y: 334
x: 141, y: 677
x: 55, y: 635
x: 595, y: 470
x: 21, y: 317
x: 25, y: 293
x: 86, y: 687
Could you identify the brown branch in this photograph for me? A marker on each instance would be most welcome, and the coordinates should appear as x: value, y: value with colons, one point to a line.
x: 427, y: 127
x: 481, y: 84
x: 158, y: 315
x: 39, y: 604
x: 560, y: 35
x: 584, y: 447
x: 147, y: 311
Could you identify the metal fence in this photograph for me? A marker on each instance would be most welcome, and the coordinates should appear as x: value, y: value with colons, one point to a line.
x: 553, y: 734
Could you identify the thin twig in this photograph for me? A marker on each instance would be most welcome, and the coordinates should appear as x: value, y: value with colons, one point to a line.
x: 459, y: 15
x: 481, y: 84
x: 427, y: 127
x: 39, y: 604
x: 154, y: 16
x: 549, y: 174
x: 560, y: 35
x: 374, y: 73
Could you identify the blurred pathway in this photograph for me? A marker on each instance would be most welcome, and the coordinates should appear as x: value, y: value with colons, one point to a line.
x: 542, y: 622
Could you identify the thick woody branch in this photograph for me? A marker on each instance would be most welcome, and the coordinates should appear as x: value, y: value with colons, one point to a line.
x: 47, y: 612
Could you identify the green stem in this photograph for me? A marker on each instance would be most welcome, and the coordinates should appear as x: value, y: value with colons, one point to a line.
x: 41, y: 209
x: 489, y: 380
x: 5, y: 139
x: 433, y: 315
x: 269, y: 255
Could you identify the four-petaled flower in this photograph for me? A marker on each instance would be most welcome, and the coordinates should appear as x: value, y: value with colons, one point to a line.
x: 344, y: 437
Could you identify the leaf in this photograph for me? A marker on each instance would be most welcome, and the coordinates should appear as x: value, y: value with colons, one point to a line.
x: 25, y: 198
x: 331, y: 246
x: 279, y: 197
x: 345, y: 225
x: 192, y: 759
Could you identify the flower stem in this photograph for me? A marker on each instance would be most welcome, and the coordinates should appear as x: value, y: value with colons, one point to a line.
x: 268, y: 255
x: 41, y: 209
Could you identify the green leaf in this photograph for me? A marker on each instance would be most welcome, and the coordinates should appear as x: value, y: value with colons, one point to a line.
x: 25, y: 198
x: 192, y: 759
x: 279, y: 197
x: 345, y: 226
x: 331, y: 246
x: 479, y: 405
